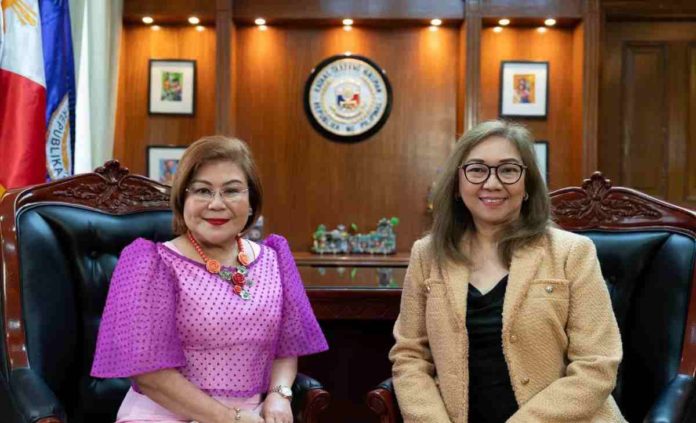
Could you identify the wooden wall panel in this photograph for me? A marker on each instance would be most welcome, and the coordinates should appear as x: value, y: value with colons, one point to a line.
x: 273, y: 10
x: 137, y: 128
x: 690, y: 159
x: 643, y: 142
x: 310, y: 180
x: 536, y: 8
x: 577, y: 124
x: 557, y: 47
x: 670, y: 147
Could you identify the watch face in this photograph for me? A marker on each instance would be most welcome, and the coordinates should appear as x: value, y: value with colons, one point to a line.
x: 285, y: 391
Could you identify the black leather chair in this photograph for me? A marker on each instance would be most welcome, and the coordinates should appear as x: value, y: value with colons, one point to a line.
x: 60, y: 243
x: 647, y: 251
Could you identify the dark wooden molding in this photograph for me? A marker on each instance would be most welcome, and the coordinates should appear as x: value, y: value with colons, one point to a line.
x: 473, y: 63
x: 109, y: 189
x: 590, y: 81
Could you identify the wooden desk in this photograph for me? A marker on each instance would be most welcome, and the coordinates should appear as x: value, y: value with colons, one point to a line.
x: 363, y: 287
x: 356, y: 299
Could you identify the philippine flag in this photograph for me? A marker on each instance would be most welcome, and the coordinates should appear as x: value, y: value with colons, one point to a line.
x: 22, y: 96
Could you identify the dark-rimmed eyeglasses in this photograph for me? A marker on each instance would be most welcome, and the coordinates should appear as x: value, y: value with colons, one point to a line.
x: 205, y: 194
x: 507, y: 173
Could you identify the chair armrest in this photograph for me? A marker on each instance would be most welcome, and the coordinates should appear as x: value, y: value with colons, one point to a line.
x: 671, y: 404
x: 309, y: 399
x: 33, y: 399
x: 382, y: 401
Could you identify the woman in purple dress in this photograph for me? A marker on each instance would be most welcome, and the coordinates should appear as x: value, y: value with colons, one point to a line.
x: 209, y: 325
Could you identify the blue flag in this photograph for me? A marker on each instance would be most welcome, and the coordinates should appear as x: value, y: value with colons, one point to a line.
x: 60, y: 87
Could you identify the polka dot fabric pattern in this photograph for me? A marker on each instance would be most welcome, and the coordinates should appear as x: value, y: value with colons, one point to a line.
x: 218, y: 341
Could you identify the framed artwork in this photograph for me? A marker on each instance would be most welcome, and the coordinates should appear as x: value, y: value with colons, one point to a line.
x: 347, y: 98
x: 162, y: 162
x: 541, y: 148
x: 172, y: 87
x: 524, y: 89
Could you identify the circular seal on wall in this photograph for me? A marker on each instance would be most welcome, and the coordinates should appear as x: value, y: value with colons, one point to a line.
x: 347, y: 98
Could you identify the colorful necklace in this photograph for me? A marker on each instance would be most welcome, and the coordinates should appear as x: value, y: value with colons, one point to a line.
x: 234, y: 275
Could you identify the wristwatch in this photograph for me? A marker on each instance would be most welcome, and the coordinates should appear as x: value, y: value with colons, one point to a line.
x: 283, y: 390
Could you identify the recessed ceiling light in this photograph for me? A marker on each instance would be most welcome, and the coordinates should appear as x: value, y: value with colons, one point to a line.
x: 504, y: 22
x: 498, y: 29
x: 260, y: 21
x: 436, y: 22
x: 550, y: 22
x: 193, y: 20
x: 348, y: 53
x: 148, y: 20
x: 348, y: 22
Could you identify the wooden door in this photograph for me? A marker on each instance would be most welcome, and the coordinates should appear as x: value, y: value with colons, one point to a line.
x: 648, y: 108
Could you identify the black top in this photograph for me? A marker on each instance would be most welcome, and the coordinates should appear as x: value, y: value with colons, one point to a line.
x: 491, y: 399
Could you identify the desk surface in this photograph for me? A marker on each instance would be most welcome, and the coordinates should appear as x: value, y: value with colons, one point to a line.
x: 352, y: 272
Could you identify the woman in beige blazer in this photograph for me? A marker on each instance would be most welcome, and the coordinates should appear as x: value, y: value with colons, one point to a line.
x: 503, y: 317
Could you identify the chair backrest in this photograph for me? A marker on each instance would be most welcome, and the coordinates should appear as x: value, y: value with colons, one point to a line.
x: 647, y: 251
x: 60, y: 243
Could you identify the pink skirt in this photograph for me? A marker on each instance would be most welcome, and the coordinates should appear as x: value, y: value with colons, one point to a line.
x: 138, y: 408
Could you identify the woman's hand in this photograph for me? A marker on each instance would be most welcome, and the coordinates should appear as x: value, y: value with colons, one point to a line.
x: 276, y: 409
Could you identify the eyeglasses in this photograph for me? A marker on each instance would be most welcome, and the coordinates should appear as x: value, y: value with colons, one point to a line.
x: 507, y: 173
x: 205, y: 194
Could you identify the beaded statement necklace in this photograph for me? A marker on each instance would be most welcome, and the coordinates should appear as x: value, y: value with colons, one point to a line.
x: 234, y: 275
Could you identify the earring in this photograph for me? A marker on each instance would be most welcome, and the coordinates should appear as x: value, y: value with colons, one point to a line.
x: 251, y: 211
x: 526, y: 196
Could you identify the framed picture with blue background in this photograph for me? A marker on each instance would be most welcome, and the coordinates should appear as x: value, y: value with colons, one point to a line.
x: 162, y: 162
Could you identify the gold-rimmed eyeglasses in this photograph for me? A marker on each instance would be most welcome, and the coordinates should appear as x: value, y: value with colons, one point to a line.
x: 230, y: 194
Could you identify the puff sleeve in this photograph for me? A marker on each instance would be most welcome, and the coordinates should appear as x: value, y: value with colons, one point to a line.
x: 299, y: 332
x: 138, y: 331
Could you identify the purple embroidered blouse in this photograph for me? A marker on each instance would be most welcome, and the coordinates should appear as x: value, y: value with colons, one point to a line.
x: 166, y: 311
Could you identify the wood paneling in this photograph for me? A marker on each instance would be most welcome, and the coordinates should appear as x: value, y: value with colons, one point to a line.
x: 591, y: 28
x: 135, y: 128
x: 473, y: 26
x: 536, y: 8
x: 310, y: 180
x: 557, y: 47
x: 643, y: 141
x: 649, y: 9
x: 690, y: 157
x: 170, y: 11
x: 668, y: 153
x: 273, y: 10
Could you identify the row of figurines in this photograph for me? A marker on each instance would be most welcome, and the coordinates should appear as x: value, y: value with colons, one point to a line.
x: 338, y: 241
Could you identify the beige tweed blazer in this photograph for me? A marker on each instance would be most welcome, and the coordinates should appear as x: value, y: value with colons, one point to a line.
x: 560, y: 338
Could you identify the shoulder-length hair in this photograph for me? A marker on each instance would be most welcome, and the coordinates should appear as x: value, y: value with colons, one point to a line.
x: 452, y: 220
x: 211, y: 149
